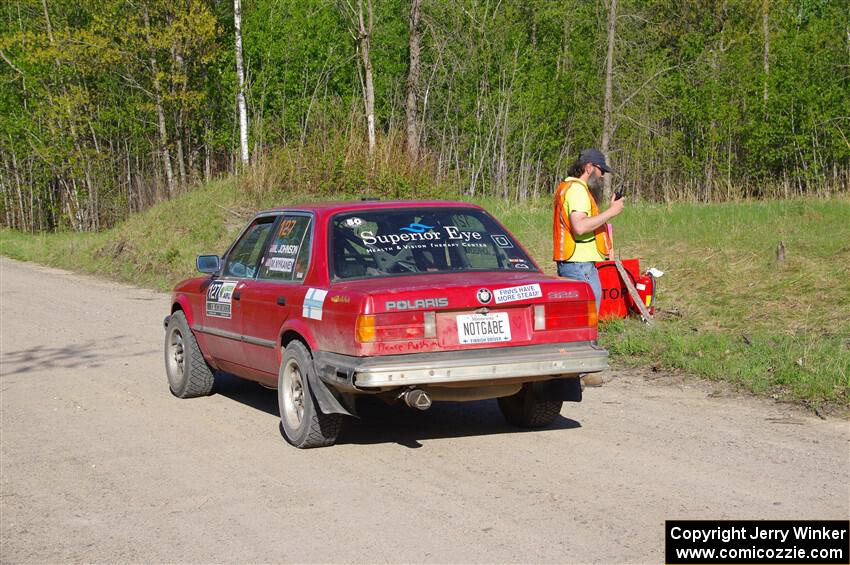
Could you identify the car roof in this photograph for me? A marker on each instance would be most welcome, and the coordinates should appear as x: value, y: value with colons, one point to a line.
x: 359, y: 205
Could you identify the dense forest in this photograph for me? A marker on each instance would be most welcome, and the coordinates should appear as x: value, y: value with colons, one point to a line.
x: 108, y: 106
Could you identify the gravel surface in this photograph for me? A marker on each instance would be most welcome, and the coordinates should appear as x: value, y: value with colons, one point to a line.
x: 100, y: 463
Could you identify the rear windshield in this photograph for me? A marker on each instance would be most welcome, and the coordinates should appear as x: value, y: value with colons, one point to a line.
x: 427, y: 240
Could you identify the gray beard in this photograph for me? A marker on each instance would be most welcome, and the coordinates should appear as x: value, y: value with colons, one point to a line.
x: 595, y: 184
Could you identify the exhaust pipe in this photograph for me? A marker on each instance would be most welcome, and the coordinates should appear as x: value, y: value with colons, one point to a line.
x: 417, y: 398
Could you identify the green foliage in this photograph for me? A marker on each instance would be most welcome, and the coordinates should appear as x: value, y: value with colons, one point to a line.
x: 510, y: 91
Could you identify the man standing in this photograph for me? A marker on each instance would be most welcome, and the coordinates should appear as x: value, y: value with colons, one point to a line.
x: 578, y: 228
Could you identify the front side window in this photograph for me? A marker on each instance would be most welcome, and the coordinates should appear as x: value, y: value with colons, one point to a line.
x: 243, y: 259
x: 289, y: 251
x: 428, y: 240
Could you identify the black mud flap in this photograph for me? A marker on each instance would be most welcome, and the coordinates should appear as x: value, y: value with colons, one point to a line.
x: 568, y: 390
x: 330, y: 401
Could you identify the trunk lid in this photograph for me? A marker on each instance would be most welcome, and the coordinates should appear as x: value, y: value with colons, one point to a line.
x: 473, y: 310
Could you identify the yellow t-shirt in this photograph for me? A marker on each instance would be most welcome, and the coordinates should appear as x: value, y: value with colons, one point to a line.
x: 577, y: 199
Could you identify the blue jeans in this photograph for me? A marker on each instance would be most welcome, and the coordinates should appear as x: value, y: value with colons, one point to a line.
x: 585, y: 272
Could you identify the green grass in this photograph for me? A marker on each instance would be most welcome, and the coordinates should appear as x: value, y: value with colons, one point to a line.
x: 728, y: 311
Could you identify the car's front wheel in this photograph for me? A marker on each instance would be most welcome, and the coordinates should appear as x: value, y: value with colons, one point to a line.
x: 187, y: 370
x: 526, y: 409
x: 303, y: 423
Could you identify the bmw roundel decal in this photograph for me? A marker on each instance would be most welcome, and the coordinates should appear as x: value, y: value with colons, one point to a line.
x: 484, y: 296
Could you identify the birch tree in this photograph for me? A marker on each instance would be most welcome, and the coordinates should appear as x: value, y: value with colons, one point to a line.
x: 240, y: 77
x: 361, y: 27
x: 765, y: 29
x: 369, y: 87
x: 608, y: 124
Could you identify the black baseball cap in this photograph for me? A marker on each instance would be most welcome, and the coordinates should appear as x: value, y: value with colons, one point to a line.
x: 595, y: 157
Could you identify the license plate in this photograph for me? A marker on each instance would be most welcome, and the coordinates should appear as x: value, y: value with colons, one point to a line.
x: 483, y: 328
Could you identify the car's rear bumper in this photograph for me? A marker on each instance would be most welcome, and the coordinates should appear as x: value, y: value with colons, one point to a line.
x: 452, y: 367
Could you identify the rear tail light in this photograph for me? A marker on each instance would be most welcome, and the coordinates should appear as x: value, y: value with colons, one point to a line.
x: 592, y: 314
x: 430, y: 326
x: 365, y: 328
x: 539, y: 317
x: 565, y: 315
x: 396, y: 326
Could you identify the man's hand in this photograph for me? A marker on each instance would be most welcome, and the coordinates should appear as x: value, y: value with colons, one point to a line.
x: 582, y: 223
x: 617, y: 205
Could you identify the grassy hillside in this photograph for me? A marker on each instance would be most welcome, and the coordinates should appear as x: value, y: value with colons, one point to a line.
x: 728, y: 309
x: 155, y: 248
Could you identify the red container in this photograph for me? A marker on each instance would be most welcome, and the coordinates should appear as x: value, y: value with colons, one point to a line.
x: 616, y: 302
x: 645, y: 285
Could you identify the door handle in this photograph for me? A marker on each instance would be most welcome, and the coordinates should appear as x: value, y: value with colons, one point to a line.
x: 281, y: 301
x: 237, y: 295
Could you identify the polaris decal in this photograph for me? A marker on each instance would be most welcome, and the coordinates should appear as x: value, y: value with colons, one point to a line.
x: 220, y: 298
x: 420, y: 304
x: 516, y: 293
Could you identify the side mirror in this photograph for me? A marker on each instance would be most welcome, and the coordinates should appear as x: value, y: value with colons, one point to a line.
x: 208, y: 263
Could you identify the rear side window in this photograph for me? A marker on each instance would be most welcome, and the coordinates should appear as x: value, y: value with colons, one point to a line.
x: 428, y: 240
x: 289, y: 251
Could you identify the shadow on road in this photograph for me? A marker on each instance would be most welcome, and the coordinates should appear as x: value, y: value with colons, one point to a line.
x: 247, y: 393
x: 91, y: 353
x: 380, y: 423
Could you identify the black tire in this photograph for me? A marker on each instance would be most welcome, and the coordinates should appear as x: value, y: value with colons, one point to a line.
x: 187, y: 370
x: 302, y: 422
x: 525, y: 410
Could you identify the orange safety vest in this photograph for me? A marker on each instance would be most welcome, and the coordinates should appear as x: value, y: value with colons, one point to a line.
x: 562, y: 231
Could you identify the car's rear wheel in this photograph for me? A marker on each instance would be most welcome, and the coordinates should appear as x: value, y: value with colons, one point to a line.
x: 187, y: 370
x: 526, y: 410
x: 303, y: 423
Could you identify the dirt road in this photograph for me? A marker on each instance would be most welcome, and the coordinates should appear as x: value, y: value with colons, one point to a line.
x: 100, y: 463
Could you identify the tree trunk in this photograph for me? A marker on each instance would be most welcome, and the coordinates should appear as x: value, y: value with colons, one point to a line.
x: 207, y: 151
x: 413, y: 83
x: 180, y: 63
x: 609, y: 93
x: 7, y: 205
x: 365, y: 38
x: 160, y: 115
x: 129, y: 177
x: 22, y: 223
x: 766, y: 34
x: 47, y: 21
x: 240, y: 75
x: 710, y: 144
